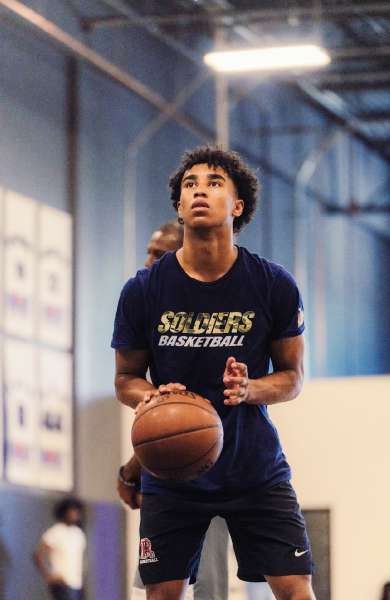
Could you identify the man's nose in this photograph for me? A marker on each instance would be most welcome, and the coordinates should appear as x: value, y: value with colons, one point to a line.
x: 199, y: 192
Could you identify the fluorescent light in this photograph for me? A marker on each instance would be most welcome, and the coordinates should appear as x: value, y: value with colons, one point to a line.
x: 263, y: 59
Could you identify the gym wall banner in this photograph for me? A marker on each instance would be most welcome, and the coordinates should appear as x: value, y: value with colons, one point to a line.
x: 21, y: 411
x: 19, y: 237
x: 36, y: 322
x: 54, y: 278
x: 54, y: 434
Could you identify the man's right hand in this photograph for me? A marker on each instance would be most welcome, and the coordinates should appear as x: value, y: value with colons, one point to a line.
x: 162, y: 389
x: 131, y: 496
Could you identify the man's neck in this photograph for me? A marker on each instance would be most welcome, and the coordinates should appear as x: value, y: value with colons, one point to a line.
x: 207, y: 256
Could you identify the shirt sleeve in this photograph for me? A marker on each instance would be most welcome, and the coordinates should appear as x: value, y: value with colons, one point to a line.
x: 286, y: 307
x: 50, y: 536
x: 130, y: 319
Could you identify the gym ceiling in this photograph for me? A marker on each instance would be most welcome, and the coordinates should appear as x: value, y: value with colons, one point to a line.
x: 355, y: 86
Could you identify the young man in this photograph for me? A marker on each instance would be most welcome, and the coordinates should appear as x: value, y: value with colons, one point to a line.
x: 59, y: 557
x: 209, y: 318
x: 212, y: 582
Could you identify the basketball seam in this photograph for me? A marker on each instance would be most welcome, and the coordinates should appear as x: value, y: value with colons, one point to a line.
x: 177, y: 433
x: 191, y: 463
x: 211, y: 412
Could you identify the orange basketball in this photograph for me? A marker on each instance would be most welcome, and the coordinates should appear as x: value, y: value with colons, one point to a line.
x: 177, y: 436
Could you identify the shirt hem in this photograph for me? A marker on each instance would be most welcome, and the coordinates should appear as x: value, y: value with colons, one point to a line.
x: 216, y: 496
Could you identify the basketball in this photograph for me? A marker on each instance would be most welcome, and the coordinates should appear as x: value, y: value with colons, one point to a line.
x: 177, y: 436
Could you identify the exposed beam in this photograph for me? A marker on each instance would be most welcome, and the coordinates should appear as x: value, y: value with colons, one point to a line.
x: 335, y: 108
x: 374, y: 115
x: 353, y: 80
x: 358, y: 52
x: 236, y: 17
x: 356, y: 209
x: 289, y: 130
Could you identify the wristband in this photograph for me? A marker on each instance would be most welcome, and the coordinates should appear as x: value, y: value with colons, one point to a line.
x: 126, y: 482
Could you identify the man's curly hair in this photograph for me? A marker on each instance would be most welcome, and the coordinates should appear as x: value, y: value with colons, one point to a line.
x: 231, y: 162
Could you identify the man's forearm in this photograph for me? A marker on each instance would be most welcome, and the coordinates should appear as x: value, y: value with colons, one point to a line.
x: 132, y: 470
x: 40, y: 557
x: 276, y: 387
x: 131, y: 390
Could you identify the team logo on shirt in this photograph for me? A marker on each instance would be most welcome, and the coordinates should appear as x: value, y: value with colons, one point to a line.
x: 146, y: 553
x: 205, y: 329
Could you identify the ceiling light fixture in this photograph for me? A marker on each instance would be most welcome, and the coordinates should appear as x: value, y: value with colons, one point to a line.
x: 262, y: 59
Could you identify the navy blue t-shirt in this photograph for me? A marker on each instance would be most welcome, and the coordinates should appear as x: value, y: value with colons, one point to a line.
x: 191, y: 328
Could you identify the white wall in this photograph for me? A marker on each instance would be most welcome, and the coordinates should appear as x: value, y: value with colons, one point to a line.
x: 336, y: 438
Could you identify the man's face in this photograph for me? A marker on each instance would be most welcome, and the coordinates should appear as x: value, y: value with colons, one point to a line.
x: 73, y: 516
x: 160, y: 243
x: 208, y: 197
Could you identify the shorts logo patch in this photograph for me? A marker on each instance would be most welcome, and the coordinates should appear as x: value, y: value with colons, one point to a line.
x: 146, y: 554
x: 300, y: 553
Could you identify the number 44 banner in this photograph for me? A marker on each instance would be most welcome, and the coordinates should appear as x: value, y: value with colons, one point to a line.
x: 38, y: 416
x: 55, y: 458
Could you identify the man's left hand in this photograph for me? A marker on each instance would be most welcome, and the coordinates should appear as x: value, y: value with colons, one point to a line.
x: 236, y: 380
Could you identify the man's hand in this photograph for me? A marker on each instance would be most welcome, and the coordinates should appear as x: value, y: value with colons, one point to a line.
x: 162, y: 389
x: 131, y: 471
x: 55, y: 580
x: 236, y: 380
x: 130, y: 496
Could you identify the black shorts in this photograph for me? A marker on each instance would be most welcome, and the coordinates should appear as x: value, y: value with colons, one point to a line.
x: 267, y: 529
x: 64, y: 592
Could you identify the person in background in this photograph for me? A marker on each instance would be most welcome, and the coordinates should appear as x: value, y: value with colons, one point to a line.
x: 59, y: 556
x: 212, y: 582
x: 386, y: 591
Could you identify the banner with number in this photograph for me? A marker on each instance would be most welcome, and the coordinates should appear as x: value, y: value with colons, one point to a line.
x: 36, y: 297
x: 20, y: 386
x: 19, y: 234
x: 54, y: 277
x: 54, y: 425
x: 2, y: 192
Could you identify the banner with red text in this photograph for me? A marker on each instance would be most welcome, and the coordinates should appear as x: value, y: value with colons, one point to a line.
x: 54, y: 278
x: 19, y: 267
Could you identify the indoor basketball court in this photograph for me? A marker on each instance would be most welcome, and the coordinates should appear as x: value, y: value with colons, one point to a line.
x: 98, y: 101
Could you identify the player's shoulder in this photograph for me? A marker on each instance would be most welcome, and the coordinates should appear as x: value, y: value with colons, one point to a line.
x: 159, y: 268
x: 263, y: 266
x: 273, y: 279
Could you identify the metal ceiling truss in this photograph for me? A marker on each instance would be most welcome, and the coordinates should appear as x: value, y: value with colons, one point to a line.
x: 310, y: 85
x: 221, y: 18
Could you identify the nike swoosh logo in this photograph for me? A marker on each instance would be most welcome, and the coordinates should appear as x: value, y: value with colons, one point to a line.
x: 300, y: 553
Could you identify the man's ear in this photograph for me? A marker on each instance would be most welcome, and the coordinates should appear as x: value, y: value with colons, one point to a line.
x: 179, y: 208
x: 238, y: 207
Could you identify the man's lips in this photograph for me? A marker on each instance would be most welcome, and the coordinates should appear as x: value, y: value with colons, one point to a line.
x: 199, y: 204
